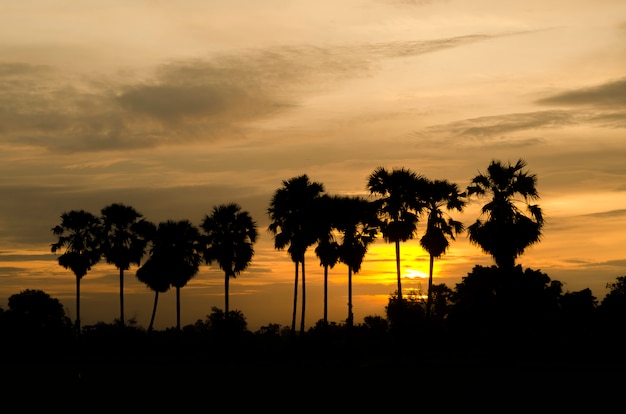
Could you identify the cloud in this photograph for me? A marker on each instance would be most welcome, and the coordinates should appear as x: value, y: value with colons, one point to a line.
x: 605, y: 214
x: 506, y: 127
x: 182, y: 101
x: 501, y: 125
x: 28, y: 213
x: 611, y: 94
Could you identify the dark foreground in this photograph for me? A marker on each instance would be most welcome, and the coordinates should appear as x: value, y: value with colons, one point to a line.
x: 313, y: 377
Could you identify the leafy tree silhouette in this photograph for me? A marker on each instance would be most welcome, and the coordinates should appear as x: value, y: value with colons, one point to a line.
x: 437, y: 195
x: 294, y: 224
x: 507, y: 231
x: 35, y: 318
x: 406, y: 315
x: 79, y: 233
x: 612, y: 311
x: 125, y: 238
x: 399, y: 206
x: 493, y: 304
x: 230, y: 237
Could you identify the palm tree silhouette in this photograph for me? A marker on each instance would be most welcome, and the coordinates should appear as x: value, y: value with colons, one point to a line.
x: 230, y: 236
x: 174, y: 259
x: 125, y: 237
x: 79, y: 234
x: 398, y: 205
x: 327, y: 247
x: 157, y: 277
x: 294, y: 224
x: 439, y: 194
x: 357, y: 221
x: 506, y: 231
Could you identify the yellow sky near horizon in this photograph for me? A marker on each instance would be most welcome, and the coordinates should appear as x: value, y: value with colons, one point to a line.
x: 174, y: 107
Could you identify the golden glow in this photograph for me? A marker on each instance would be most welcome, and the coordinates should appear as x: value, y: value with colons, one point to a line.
x: 415, y: 273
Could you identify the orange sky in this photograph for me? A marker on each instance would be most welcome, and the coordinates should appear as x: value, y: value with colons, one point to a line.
x: 175, y: 107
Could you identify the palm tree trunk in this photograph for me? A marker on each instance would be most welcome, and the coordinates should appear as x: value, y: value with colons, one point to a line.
x: 154, y: 308
x: 325, y: 295
x: 398, y: 269
x: 226, y: 280
x: 429, y: 300
x: 303, y: 299
x: 295, y: 301
x: 122, y: 297
x: 177, y: 308
x: 77, y: 323
x: 350, y: 315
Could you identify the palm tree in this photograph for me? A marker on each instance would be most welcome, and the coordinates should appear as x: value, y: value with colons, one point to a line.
x: 357, y: 221
x: 398, y: 205
x: 79, y: 234
x: 506, y: 231
x: 124, y: 240
x: 327, y: 246
x: 155, y: 275
x: 439, y: 194
x: 230, y: 236
x: 174, y: 258
x: 294, y: 224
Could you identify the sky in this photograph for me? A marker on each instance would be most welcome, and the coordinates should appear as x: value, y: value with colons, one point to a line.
x: 176, y: 107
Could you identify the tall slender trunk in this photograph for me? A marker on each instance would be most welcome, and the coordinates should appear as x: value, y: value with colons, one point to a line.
x: 325, y: 295
x: 350, y: 314
x: 122, y: 297
x: 178, y: 308
x: 77, y: 323
x: 303, y: 299
x: 295, y: 301
x: 429, y: 301
x: 398, y: 269
x: 226, y: 280
x: 154, y: 308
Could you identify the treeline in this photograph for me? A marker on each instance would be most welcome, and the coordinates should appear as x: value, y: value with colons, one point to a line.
x: 503, y: 300
x: 303, y: 215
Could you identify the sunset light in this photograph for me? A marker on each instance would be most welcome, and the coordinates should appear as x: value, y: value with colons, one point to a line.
x: 174, y: 108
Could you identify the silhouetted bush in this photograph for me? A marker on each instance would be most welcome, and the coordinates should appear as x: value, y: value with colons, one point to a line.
x: 35, y: 324
x: 406, y: 316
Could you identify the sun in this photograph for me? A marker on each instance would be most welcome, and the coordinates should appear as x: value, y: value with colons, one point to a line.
x: 411, y: 273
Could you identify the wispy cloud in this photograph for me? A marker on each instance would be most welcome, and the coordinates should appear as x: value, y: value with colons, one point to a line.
x: 488, y: 128
x: 611, y: 94
x: 182, y: 101
x: 606, y: 214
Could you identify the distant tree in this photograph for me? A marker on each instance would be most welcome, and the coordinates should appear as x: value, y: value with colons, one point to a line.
x: 327, y: 249
x: 125, y: 238
x: 230, y: 237
x: 506, y: 231
x: 175, y: 258
x: 222, y: 324
x: 34, y: 326
x: 35, y: 311
x: 441, y: 301
x: 613, y: 305
x: 294, y: 224
x: 406, y: 315
x: 399, y: 206
x: 437, y: 196
x: 79, y: 234
x: 157, y: 277
x: 492, y: 301
x: 357, y: 222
